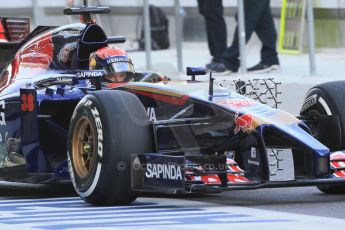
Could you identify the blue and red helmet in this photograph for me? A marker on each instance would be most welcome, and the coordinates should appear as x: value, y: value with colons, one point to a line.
x: 112, y: 60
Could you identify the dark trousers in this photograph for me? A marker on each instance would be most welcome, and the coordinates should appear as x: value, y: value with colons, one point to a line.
x: 258, y: 19
x: 213, y: 11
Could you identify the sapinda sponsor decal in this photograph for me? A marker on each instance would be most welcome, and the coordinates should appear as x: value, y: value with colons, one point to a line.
x: 90, y: 74
x: 163, y: 171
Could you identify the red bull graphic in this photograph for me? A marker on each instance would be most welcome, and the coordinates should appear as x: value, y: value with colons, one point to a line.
x: 243, y: 122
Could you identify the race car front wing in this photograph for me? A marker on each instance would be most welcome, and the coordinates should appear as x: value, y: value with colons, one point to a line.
x: 168, y: 174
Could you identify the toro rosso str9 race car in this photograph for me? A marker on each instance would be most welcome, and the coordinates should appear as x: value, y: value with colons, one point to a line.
x: 58, y: 124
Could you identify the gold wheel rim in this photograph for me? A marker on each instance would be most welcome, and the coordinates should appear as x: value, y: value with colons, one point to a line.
x: 84, y: 148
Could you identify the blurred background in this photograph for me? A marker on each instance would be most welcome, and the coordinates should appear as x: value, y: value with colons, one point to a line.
x: 127, y: 16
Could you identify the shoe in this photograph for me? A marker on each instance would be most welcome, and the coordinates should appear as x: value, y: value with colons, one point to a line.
x: 263, y: 68
x: 212, y: 62
x: 219, y: 69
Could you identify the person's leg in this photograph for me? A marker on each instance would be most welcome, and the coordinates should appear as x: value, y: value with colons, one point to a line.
x: 215, y: 26
x: 266, y: 31
x: 231, y: 54
x: 202, y: 5
x: 252, y: 10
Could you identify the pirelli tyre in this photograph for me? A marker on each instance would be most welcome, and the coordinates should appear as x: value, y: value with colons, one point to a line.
x: 106, y: 127
x: 327, y: 99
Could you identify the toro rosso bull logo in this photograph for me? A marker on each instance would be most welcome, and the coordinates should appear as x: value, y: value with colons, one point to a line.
x: 243, y: 122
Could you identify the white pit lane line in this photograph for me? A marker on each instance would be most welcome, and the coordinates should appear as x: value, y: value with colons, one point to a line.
x: 148, y: 213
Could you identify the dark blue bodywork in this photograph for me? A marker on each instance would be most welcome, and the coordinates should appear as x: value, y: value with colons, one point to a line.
x: 48, y: 75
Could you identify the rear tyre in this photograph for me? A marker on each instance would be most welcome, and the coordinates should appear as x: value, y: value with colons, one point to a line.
x: 106, y: 127
x: 328, y: 99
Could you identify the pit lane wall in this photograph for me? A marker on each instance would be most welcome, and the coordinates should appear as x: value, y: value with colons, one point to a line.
x: 125, y: 17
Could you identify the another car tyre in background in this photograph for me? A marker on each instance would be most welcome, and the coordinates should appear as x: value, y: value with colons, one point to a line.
x: 106, y: 127
x: 328, y: 99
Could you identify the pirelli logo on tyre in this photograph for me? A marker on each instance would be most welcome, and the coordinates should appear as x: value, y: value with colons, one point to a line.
x: 309, y: 102
x: 85, y: 117
x: 98, y: 122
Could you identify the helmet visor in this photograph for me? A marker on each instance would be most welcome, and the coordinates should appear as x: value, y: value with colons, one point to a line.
x: 119, y: 67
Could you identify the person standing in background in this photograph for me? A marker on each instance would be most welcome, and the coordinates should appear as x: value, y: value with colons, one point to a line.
x: 258, y: 19
x: 213, y: 12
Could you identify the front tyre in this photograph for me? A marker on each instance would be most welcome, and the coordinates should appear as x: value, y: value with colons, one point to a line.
x: 328, y: 99
x: 106, y: 127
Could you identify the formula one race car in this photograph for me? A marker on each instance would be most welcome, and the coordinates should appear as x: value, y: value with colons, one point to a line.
x: 57, y: 124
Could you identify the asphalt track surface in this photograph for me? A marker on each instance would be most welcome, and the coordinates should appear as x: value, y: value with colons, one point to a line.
x: 301, y: 200
x: 280, y: 203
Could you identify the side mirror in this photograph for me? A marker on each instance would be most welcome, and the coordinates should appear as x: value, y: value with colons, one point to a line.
x: 193, y: 71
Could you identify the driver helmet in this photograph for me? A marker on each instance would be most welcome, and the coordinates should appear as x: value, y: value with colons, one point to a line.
x: 115, y: 62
